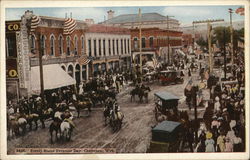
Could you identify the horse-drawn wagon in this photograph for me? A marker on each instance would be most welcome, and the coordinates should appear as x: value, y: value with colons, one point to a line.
x: 170, y: 77
x: 164, y: 102
x: 166, y: 137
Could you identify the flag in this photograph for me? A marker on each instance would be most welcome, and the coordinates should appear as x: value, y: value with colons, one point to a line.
x: 69, y: 26
x: 240, y: 11
x: 83, y: 60
x: 35, y: 20
x: 189, y: 85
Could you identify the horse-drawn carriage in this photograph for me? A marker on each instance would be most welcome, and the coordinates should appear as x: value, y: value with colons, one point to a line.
x: 164, y: 102
x: 166, y: 137
x: 170, y: 77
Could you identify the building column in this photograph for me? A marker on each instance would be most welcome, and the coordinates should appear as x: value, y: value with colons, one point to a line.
x: 115, y: 47
x: 97, y: 47
x: 119, y: 46
x: 102, y: 52
x: 107, y: 47
x: 87, y: 72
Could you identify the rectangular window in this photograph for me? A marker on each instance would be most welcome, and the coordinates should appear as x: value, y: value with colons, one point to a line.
x: 121, y: 46
x: 100, y: 49
x: 109, y: 47
x: 89, y: 42
x: 125, y: 46
x: 95, y: 48
x: 117, y: 47
x: 11, y: 46
x: 104, y: 48
x: 113, y: 41
x: 128, y: 47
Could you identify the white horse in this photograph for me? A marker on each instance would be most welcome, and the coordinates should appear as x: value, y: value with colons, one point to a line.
x: 22, y: 122
x: 66, y: 130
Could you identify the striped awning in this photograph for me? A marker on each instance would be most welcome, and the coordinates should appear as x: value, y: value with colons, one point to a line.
x: 83, y: 60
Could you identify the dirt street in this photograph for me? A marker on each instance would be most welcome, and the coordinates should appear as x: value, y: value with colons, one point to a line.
x: 90, y: 132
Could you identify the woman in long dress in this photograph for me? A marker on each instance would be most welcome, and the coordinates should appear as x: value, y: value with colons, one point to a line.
x: 209, y: 143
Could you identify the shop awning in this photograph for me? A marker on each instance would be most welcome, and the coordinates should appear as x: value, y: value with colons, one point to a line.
x: 53, y: 76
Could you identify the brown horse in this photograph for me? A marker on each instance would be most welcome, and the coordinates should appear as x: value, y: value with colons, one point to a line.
x: 80, y: 105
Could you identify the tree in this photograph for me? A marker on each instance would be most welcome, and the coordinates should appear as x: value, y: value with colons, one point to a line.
x: 219, y: 35
x: 202, y: 42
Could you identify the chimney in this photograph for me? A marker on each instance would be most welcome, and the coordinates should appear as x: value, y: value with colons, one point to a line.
x: 89, y: 21
x: 110, y: 14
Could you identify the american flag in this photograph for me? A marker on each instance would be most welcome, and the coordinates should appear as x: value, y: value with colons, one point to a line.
x: 35, y: 20
x: 240, y: 11
x: 189, y: 85
x: 83, y: 60
x: 69, y: 26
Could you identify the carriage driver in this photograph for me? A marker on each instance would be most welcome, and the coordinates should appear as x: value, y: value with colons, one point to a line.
x: 69, y: 117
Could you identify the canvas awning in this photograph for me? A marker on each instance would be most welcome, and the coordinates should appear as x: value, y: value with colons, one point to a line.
x: 53, y: 76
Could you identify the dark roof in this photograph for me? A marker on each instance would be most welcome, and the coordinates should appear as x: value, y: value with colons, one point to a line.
x: 166, y: 126
x: 135, y: 18
x: 166, y: 95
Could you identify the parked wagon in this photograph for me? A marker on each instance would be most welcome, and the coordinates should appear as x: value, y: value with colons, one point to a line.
x: 166, y: 137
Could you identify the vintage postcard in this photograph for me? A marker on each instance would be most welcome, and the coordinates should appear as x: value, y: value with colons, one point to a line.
x: 125, y: 80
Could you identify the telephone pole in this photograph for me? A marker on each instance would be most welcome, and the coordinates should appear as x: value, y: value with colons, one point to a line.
x: 230, y: 10
x: 140, y: 41
x: 168, y: 39
x: 209, y: 29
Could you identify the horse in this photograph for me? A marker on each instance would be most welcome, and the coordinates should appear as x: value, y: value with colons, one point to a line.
x: 13, y: 126
x: 66, y: 129
x: 143, y: 92
x: 22, y: 122
x: 116, y: 120
x: 54, y: 127
x: 79, y: 105
x: 133, y: 93
x: 33, y: 117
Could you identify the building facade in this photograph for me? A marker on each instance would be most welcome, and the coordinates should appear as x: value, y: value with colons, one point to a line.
x: 105, y: 48
x: 158, y: 34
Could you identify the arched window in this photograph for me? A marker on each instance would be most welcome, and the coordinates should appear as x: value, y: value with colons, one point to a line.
x: 82, y: 44
x: 33, y: 44
x: 43, y: 44
x: 60, y: 45
x: 63, y: 68
x: 151, y: 42
x: 143, y: 42
x: 76, y: 45
x: 135, y: 43
x: 68, y: 45
x: 70, y: 70
x: 52, y: 45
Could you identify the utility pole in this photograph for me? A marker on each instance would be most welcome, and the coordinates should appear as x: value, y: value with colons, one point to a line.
x: 230, y: 10
x: 168, y: 39
x: 140, y: 41
x: 209, y: 28
x: 193, y: 37
x: 41, y: 51
x: 225, y: 56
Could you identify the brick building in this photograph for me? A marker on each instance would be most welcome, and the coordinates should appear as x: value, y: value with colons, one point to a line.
x: 156, y: 31
x: 105, y: 47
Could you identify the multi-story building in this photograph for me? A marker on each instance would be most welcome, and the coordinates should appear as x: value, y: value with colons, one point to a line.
x: 103, y: 47
x: 158, y: 33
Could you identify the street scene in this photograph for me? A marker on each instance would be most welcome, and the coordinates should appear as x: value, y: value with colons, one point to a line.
x: 136, y: 80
